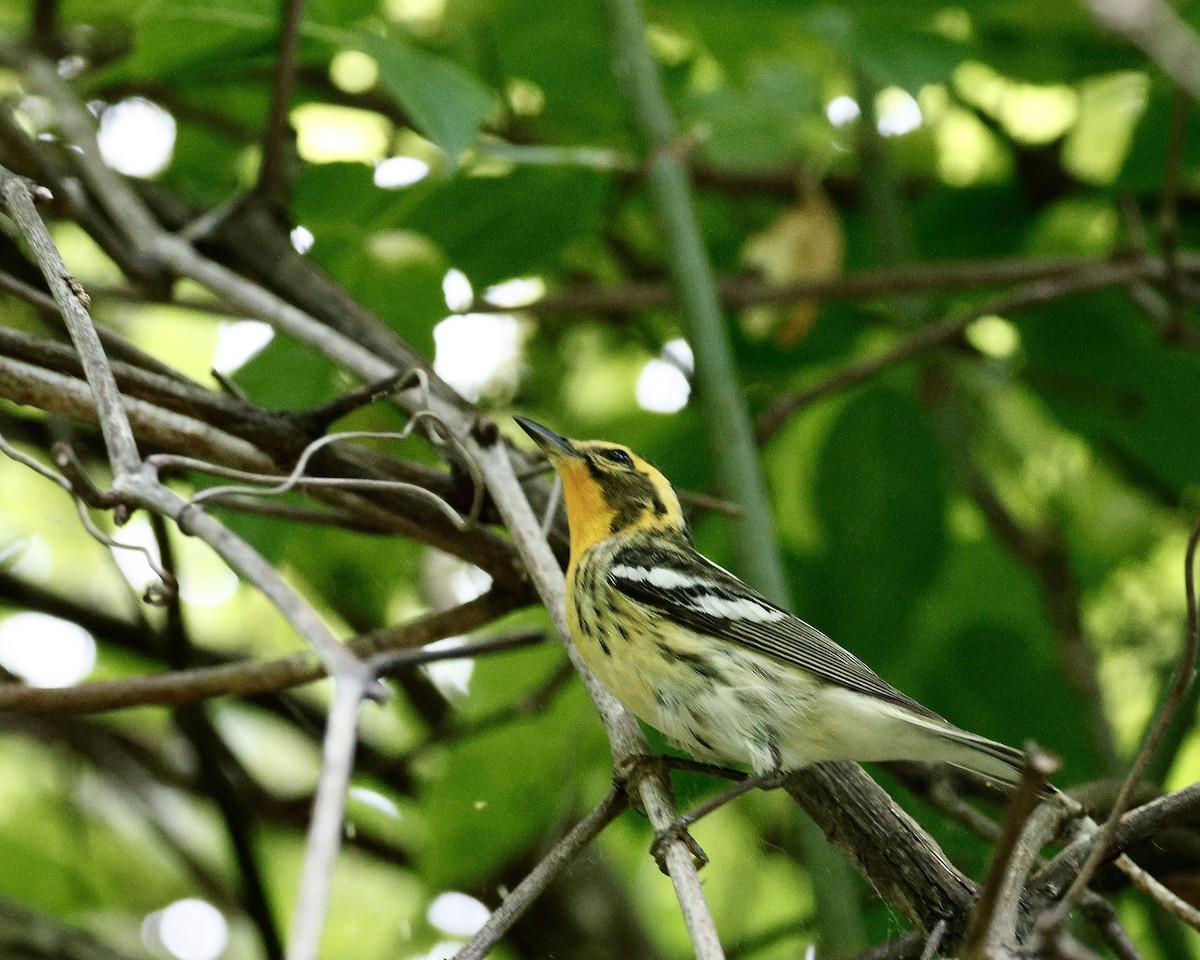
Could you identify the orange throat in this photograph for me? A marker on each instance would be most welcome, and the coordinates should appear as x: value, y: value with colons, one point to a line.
x: 589, y: 515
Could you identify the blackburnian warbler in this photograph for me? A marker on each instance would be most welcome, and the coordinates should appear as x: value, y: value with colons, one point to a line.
x: 720, y: 670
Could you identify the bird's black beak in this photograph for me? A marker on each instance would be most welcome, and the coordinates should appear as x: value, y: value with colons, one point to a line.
x: 551, y: 443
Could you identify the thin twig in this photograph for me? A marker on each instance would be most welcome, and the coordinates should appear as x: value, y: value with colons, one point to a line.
x: 326, y: 827
x: 17, y: 196
x: 551, y: 512
x: 540, y: 876
x: 248, y: 678
x: 1039, y: 768
x: 1153, y: 888
x: 739, y: 292
x: 929, y: 951
x: 297, y: 478
x: 1052, y: 920
x: 273, y: 181
x: 1095, y: 276
x: 1138, y: 824
x: 1101, y: 914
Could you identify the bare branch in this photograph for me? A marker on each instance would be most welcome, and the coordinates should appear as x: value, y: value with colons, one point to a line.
x: 325, y: 828
x: 896, y: 855
x: 392, y: 646
x: 273, y: 181
x: 1157, y: 891
x: 739, y: 292
x: 17, y: 196
x: 540, y: 876
x: 1010, y: 863
x: 1085, y: 279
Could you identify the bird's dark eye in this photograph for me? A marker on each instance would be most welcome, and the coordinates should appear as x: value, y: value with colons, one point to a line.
x: 617, y: 456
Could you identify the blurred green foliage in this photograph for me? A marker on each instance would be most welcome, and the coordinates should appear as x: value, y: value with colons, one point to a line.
x: 1035, y: 130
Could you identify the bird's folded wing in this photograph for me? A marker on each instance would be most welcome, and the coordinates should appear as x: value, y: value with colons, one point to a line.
x: 685, y: 587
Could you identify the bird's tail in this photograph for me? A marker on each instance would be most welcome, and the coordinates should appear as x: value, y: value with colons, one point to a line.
x: 995, y: 762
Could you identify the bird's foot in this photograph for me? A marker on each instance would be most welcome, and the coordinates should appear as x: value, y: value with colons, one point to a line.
x: 677, y: 829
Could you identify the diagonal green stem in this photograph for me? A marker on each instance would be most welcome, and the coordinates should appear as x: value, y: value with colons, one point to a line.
x: 730, y: 433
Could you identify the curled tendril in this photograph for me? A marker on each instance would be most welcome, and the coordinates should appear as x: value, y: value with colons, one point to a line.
x: 297, y: 477
x: 158, y: 593
x: 35, y: 465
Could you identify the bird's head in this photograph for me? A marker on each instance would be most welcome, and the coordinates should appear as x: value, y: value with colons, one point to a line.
x: 607, y: 488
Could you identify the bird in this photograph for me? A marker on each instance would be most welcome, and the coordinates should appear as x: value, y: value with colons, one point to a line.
x: 724, y: 673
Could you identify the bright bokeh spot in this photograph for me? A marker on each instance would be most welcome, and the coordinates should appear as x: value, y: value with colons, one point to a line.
x: 238, y: 342
x: 136, y: 137
x: 421, y: 16
x: 842, y: 110
x: 994, y: 337
x: 457, y: 290
x: 966, y: 150
x: 444, y: 950
x: 189, y: 929
x: 662, y: 386
x: 525, y: 97
x: 353, y: 71
x: 451, y: 677
x: 325, y: 133
x: 1036, y: 114
x: 469, y: 582
x: 375, y: 800
x: 45, y: 651
x: 302, y: 239
x: 30, y: 558
x: 478, y: 353
x: 679, y: 352
x: 897, y: 112
x: 515, y: 293
x: 1109, y: 109
x: 457, y: 914
x: 132, y: 563
x: 396, y: 172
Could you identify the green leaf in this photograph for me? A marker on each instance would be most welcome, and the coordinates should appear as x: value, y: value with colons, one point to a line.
x: 444, y: 101
x: 880, y: 500
x: 899, y: 52
x: 495, y: 228
x: 1132, y: 396
x: 502, y: 789
x: 173, y: 38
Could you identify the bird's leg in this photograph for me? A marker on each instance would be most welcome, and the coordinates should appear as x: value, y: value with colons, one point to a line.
x: 767, y: 780
x: 646, y: 765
